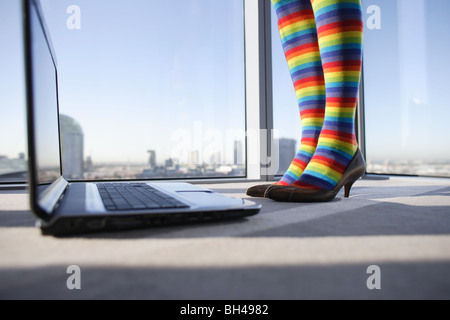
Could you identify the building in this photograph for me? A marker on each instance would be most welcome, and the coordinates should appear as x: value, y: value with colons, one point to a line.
x: 89, y: 167
x: 152, y: 158
x: 287, y: 152
x: 215, y: 158
x: 169, y: 163
x: 72, y: 147
x: 194, y: 158
x: 238, y: 157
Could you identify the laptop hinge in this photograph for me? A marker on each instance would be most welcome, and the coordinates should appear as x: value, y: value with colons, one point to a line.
x: 52, y: 195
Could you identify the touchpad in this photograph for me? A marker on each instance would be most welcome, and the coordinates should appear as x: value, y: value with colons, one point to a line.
x: 209, y: 198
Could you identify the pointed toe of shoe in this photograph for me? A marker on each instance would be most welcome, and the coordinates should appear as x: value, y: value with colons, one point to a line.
x: 280, y: 193
x: 259, y: 190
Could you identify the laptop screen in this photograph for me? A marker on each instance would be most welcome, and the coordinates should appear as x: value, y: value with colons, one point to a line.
x: 44, y: 103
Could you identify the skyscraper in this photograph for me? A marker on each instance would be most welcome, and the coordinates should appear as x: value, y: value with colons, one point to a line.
x: 152, y: 158
x: 287, y: 152
x: 238, y: 153
x: 215, y: 158
x: 72, y: 147
x: 89, y: 167
x: 194, y: 158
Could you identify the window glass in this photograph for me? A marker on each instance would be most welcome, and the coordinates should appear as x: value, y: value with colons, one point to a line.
x: 286, y: 115
x: 405, y: 87
x: 13, y: 167
x: 150, y: 89
x: 405, y: 70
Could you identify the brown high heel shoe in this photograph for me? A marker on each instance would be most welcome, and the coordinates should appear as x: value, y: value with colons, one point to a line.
x: 355, y: 170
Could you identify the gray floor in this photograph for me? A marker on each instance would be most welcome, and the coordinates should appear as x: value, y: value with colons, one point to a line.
x: 288, y: 251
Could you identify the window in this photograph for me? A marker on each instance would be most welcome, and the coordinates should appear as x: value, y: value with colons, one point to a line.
x: 405, y: 95
x: 286, y: 115
x: 151, y: 95
x: 13, y: 167
x: 405, y: 88
x: 149, y: 89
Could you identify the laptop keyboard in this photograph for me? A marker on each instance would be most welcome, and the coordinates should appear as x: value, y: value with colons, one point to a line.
x: 135, y: 196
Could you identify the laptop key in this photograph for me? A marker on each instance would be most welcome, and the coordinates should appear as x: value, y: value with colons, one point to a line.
x: 121, y: 204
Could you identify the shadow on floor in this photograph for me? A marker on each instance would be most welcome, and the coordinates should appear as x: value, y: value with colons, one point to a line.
x: 13, y: 219
x: 398, y: 281
x: 373, y: 220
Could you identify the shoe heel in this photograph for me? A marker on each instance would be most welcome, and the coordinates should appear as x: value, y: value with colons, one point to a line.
x: 347, y: 188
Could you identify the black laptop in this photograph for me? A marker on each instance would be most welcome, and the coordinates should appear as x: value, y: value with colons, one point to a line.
x: 64, y: 207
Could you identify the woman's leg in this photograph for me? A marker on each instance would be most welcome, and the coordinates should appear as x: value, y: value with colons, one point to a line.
x: 298, y: 34
x: 340, y: 33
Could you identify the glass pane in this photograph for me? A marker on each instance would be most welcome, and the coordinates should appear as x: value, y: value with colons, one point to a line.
x: 13, y: 167
x: 150, y: 89
x: 286, y: 116
x: 405, y: 86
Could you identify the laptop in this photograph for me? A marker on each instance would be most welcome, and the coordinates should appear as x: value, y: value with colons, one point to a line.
x: 65, y: 208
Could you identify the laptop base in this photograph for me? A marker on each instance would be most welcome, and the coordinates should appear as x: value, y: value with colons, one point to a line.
x: 69, y: 226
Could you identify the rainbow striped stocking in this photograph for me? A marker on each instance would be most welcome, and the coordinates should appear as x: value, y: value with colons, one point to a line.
x: 298, y: 34
x: 340, y: 34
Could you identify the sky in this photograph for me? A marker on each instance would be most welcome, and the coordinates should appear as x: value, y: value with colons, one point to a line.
x: 138, y: 76
x: 169, y: 76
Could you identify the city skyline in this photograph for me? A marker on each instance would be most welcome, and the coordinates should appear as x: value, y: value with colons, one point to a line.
x: 76, y: 166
